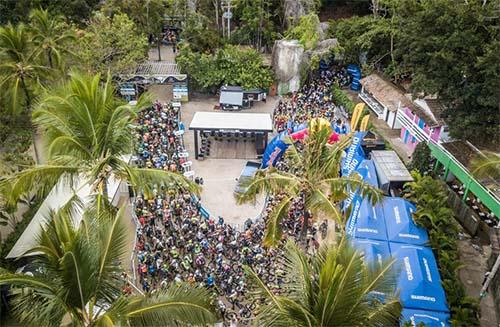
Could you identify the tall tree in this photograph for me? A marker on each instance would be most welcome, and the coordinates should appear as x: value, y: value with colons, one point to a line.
x: 88, y: 133
x: 332, y: 288
x: 50, y: 36
x: 452, y: 50
x: 110, y: 44
x: 315, y: 177
x: 19, y: 72
x: 78, y: 279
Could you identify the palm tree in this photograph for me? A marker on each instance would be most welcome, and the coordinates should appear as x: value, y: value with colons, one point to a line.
x: 77, y: 279
x: 88, y: 132
x: 333, y: 288
x: 50, y: 36
x: 18, y: 71
x: 486, y: 166
x: 314, y: 176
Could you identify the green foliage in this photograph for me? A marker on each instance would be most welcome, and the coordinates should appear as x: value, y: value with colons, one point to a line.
x: 199, y: 35
x: 452, y: 50
x: 256, y: 26
x: 315, y: 178
x: 79, y: 272
x: 341, y: 99
x: 8, y: 243
x: 307, y: 31
x: 20, y: 72
x: 88, y: 132
x: 75, y: 10
x: 448, y: 48
x: 51, y: 36
x: 331, y: 288
x: 229, y: 65
x: 110, y: 44
x: 359, y: 36
x: 434, y: 214
x: 421, y: 158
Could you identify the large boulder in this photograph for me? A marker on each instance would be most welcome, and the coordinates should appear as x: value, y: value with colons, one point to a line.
x: 286, y: 62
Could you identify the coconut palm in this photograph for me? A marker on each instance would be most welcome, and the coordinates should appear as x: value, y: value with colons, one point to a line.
x: 314, y: 176
x: 89, y: 136
x: 19, y: 72
x: 50, y: 37
x: 332, y: 288
x: 77, y: 279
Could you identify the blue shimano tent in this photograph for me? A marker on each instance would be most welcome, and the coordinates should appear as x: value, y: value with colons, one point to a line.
x: 428, y: 318
x: 399, y: 222
x: 367, y: 221
x: 354, y: 155
x: 371, y: 172
x: 373, y: 251
x: 419, y: 283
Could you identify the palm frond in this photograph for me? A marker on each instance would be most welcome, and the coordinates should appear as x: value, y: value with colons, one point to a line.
x: 486, y: 166
x: 180, y: 305
x: 267, y: 180
x: 145, y: 180
x: 274, y: 230
x: 113, y: 243
x: 39, y: 180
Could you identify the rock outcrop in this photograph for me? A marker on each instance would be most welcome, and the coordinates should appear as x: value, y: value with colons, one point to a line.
x: 286, y: 61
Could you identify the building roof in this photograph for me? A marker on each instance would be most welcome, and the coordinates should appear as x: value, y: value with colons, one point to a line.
x: 430, y: 110
x: 153, y: 71
x: 388, y: 163
x: 157, y: 68
x: 390, y: 95
x: 385, y: 92
x: 228, y: 88
x: 231, y: 121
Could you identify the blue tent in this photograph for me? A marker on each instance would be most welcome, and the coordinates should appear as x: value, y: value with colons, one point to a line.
x: 428, y: 318
x: 419, y: 283
x: 354, y: 156
x: 399, y: 222
x: 371, y: 174
x: 274, y: 150
x: 367, y: 222
x: 374, y: 251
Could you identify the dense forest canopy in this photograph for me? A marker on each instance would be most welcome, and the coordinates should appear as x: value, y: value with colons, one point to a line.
x: 444, y: 48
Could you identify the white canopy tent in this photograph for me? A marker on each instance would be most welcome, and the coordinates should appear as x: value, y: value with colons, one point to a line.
x: 231, y: 122
x: 56, y: 199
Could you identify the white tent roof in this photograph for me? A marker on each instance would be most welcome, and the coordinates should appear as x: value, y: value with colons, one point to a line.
x: 57, y: 198
x: 232, y: 121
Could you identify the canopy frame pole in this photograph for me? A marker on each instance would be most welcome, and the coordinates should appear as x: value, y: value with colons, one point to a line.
x: 196, y: 144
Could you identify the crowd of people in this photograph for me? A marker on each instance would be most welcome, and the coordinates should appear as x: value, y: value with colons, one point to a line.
x: 177, y: 243
x: 314, y: 99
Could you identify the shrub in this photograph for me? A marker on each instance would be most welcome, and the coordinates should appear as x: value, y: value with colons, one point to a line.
x: 434, y: 214
x: 421, y: 158
x: 341, y: 99
x: 306, y: 31
x: 230, y: 65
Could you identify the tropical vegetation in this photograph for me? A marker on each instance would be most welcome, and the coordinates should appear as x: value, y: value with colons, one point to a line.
x: 434, y: 214
x: 443, y: 48
x: 314, y: 176
x: 77, y: 279
x: 230, y: 65
x: 110, y: 44
x: 88, y: 134
x: 332, y: 288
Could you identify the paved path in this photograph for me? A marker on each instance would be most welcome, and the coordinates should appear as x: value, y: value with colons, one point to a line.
x: 220, y: 175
